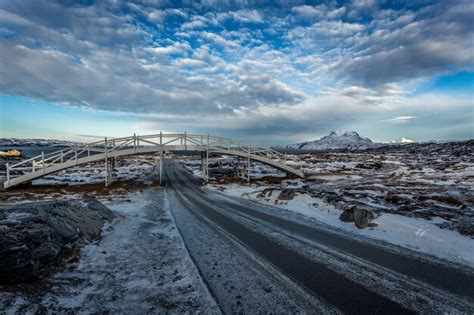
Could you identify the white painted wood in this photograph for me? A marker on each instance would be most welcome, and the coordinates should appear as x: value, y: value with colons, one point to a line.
x: 130, y: 145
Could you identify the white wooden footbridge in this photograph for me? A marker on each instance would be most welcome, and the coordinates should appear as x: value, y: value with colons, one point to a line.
x: 109, y: 149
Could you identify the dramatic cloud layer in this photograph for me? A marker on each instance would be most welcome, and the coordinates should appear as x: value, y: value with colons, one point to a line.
x: 246, y: 68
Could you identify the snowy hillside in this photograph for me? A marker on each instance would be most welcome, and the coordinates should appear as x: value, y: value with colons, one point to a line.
x: 12, y: 142
x: 336, y: 140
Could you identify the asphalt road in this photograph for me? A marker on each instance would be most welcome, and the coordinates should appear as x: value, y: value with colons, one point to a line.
x: 307, y: 263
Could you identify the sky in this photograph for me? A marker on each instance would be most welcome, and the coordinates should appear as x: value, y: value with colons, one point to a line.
x: 270, y: 72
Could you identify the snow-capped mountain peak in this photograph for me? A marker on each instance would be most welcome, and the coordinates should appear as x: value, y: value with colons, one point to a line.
x: 341, y: 134
x: 336, y: 140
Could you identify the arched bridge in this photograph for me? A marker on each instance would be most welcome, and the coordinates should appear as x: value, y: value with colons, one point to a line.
x: 109, y: 149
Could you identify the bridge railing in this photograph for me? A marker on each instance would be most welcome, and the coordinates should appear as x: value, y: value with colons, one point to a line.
x: 163, y: 140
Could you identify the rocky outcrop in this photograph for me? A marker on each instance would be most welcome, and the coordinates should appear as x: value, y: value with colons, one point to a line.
x: 34, y: 235
x: 361, y: 217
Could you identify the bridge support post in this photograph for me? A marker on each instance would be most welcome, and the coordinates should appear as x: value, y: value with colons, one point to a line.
x: 207, y: 159
x: 205, y: 165
x: 42, y: 161
x: 161, y: 157
x: 110, y: 171
x: 106, y: 163
x: 201, y: 155
x: 134, y: 143
x: 161, y: 166
x: 8, y: 173
x: 248, y: 168
x: 240, y: 169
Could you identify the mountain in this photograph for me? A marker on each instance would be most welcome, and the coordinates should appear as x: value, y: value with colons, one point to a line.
x: 336, y: 140
x: 13, y: 142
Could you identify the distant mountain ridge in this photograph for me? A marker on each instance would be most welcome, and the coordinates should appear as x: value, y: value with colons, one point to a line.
x: 336, y: 140
x: 13, y: 142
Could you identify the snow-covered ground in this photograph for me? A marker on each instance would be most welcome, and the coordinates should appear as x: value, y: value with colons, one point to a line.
x: 140, y: 266
x: 34, y: 142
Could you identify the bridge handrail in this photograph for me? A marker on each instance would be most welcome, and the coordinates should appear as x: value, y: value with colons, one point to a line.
x: 109, y: 145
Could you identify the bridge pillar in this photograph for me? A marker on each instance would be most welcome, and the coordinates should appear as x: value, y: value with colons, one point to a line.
x: 8, y: 173
x: 240, y: 168
x: 109, y: 165
x: 248, y: 168
x: 110, y: 171
x: 42, y: 161
x: 161, y: 166
x: 134, y: 143
x: 205, y: 165
x: 207, y: 159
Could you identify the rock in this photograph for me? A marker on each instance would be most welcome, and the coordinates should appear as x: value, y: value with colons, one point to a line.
x: 370, y: 166
x: 265, y: 193
x: 347, y: 215
x: 34, y: 235
x: 394, y: 198
x: 287, y: 194
x: 466, y: 228
x: 362, y: 217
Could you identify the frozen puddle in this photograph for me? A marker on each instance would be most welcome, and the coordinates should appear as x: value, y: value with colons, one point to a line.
x: 140, y: 266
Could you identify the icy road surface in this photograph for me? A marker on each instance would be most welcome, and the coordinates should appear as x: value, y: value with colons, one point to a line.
x: 259, y: 258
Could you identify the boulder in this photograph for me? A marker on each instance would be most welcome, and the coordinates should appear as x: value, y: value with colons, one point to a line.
x: 347, y: 215
x: 360, y: 217
x: 287, y: 194
x: 34, y: 235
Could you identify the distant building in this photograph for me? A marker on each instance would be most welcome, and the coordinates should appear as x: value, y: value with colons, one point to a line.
x: 11, y: 153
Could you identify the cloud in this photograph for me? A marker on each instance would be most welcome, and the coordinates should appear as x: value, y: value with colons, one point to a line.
x: 247, y: 16
x: 174, y: 48
x: 400, y: 119
x: 336, y: 13
x: 327, y: 28
x: 307, y: 11
x: 159, y: 16
x: 431, y: 45
x: 364, y: 4
x: 139, y: 88
x: 281, y: 67
x: 188, y: 62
